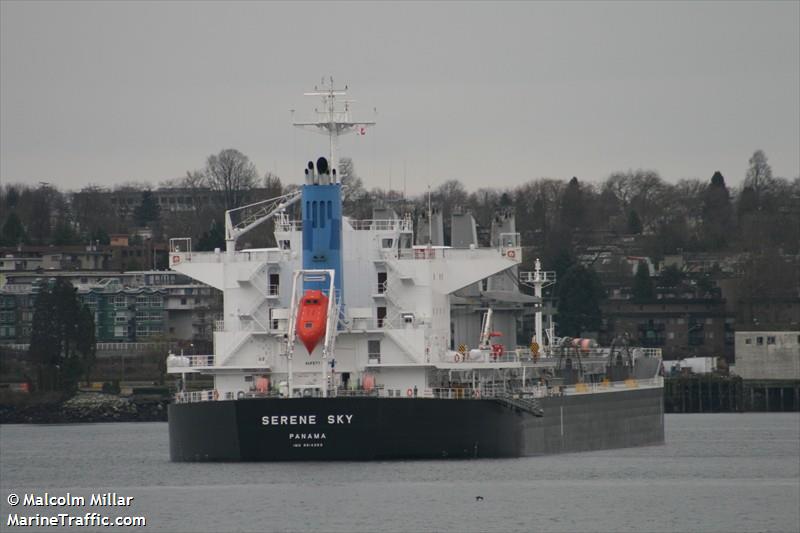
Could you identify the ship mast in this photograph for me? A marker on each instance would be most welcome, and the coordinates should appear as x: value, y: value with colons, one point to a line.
x: 538, y: 279
x: 332, y: 120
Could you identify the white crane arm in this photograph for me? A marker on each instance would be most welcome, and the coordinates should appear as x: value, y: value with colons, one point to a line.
x: 255, y: 214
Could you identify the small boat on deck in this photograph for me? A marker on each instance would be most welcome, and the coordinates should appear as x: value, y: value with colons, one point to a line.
x: 312, y: 318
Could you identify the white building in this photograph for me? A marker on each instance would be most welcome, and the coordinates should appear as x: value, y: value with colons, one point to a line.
x: 768, y: 354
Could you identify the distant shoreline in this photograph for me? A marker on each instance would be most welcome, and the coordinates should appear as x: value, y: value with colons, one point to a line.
x: 84, y: 408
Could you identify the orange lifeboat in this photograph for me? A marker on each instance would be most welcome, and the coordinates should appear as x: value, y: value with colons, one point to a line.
x: 262, y: 384
x: 312, y: 319
x: 368, y: 383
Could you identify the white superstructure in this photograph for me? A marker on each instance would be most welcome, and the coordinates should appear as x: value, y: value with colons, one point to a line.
x: 395, y: 326
x: 389, y: 333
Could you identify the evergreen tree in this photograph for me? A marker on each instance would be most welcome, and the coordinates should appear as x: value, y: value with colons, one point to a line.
x: 717, y: 213
x: 64, y: 234
x: 12, y: 197
x: 670, y: 276
x: 211, y: 239
x: 100, y: 235
x: 86, y: 341
x: 148, y: 210
x: 573, y: 209
x: 642, y: 284
x: 539, y: 214
x: 13, y: 232
x: 62, y: 337
x: 67, y: 308
x: 562, y: 262
x: 580, y: 293
x: 45, y: 347
x: 634, y: 222
x: 748, y: 203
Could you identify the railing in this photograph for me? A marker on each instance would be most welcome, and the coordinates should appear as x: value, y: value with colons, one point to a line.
x: 268, y: 256
x: 133, y: 346
x: 427, y: 253
x: 351, y: 393
x: 525, y: 399
x: 196, y: 396
x: 382, y: 225
x: 421, y: 253
x: 507, y: 356
x: 453, y: 393
x: 547, y: 278
x: 652, y: 352
x: 114, y: 346
x: 288, y: 225
x: 190, y: 361
x: 509, y: 240
x: 180, y: 245
x: 372, y: 323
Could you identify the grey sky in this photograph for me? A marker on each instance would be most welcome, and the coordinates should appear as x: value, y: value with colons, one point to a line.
x: 491, y: 94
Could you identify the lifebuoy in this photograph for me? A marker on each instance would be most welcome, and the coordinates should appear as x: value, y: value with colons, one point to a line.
x: 176, y: 259
x: 457, y: 358
x: 409, y: 393
x: 216, y: 395
x: 497, y: 350
x: 511, y: 253
x: 477, y: 393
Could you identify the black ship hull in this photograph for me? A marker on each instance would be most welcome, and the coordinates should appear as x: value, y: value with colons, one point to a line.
x: 363, y: 428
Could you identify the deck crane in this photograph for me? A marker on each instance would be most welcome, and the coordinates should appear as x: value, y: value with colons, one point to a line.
x: 252, y: 215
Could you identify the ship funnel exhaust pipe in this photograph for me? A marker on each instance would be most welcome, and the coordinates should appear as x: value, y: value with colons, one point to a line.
x: 322, y: 169
x: 322, y: 165
x: 312, y: 172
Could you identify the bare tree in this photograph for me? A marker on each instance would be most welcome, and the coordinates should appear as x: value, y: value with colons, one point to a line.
x: 272, y: 182
x: 356, y: 201
x: 759, y: 175
x: 618, y: 185
x: 194, y: 180
x: 94, y: 213
x: 232, y: 174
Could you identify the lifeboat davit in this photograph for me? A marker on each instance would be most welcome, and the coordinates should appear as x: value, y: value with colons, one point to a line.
x: 312, y: 319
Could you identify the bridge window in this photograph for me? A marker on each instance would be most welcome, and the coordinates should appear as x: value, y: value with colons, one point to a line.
x: 374, y: 350
x: 381, y: 282
x: 274, y: 284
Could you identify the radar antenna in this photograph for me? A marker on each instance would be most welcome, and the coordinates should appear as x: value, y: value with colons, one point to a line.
x: 332, y: 120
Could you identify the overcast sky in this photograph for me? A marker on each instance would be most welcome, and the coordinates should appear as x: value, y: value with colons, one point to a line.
x: 491, y: 94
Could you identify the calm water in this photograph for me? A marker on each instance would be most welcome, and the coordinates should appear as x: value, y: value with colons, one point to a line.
x: 726, y: 472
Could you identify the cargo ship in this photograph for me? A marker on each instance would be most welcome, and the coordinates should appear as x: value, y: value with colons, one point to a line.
x: 373, y: 340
